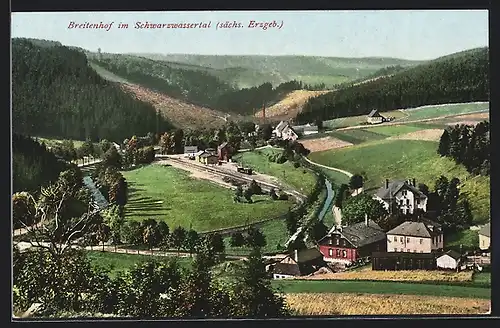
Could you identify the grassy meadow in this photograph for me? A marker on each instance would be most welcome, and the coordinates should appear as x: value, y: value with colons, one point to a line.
x: 401, y: 159
x: 427, y: 112
x: 171, y: 195
x: 119, y: 262
x: 301, y: 179
x: 379, y: 287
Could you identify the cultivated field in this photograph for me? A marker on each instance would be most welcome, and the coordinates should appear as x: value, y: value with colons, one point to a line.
x: 469, y: 119
x: 427, y: 135
x: 324, y: 143
x: 301, y: 179
x: 54, y: 142
x: 393, y: 130
x: 408, y: 275
x: 403, y: 159
x: 373, y: 304
x: 170, y: 194
x: 291, y: 105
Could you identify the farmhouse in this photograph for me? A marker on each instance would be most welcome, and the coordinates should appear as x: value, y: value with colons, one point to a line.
x: 198, y: 155
x: 348, y: 244
x: 190, y: 150
x: 424, y: 236
x: 484, y: 237
x: 449, y: 260
x: 401, y: 195
x: 224, y: 152
x: 374, y: 117
x: 299, y: 263
x: 211, y: 151
x: 403, y: 261
x: 207, y: 158
x: 284, y: 131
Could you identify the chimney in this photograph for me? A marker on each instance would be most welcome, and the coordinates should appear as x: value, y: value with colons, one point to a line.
x: 366, y: 219
x: 386, y: 183
x: 414, y: 185
x: 296, y: 256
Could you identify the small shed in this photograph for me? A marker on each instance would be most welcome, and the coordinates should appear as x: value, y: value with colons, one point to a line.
x: 448, y: 260
x: 190, y: 150
x: 207, y: 158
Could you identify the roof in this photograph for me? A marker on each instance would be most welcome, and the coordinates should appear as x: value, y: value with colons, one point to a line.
x: 210, y: 149
x: 306, y: 127
x: 395, y: 186
x: 307, y: 255
x: 287, y: 268
x: 281, y: 126
x: 199, y: 153
x: 451, y: 253
x: 222, y: 145
x: 414, y: 229
x: 485, y: 230
x: 360, y: 234
x: 374, y: 113
x: 206, y: 155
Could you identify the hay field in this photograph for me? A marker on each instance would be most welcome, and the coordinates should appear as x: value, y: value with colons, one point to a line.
x: 372, y: 304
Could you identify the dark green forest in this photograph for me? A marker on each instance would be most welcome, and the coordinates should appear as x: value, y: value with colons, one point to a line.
x: 194, y: 86
x: 56, y: 94
x: 468, y: 145
x: 457, y: 78
x: 33, y: 165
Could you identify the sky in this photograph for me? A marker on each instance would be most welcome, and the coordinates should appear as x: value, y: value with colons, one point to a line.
x: 407, y: 34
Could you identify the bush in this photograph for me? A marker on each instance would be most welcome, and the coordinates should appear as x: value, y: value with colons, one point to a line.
x: 296, y: 164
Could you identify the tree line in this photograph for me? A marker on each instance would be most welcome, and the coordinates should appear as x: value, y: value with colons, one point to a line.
x: 55, y: 93
x: 468, y: 145
x: 195, y: 86
x: 33, y: 165
x: 463, y: 78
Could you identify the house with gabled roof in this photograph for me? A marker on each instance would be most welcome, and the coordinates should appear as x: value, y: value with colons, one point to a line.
x: 422, y: 236
x: 449, y: 260
x: 374, y: 117
x: 484, y: 237
x: 348, y: 244
x: 284, y: 131
x: 401, y: 195
x: 224, y: 152
x: 298, y: 263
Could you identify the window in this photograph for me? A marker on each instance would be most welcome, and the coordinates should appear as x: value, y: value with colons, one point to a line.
x: 395, y: 249
x: 403, y: 192
x: 418, y: 201
x: 395, y: 238
x: 344, y: 253
x: 407, y: 202
x: 401, y: 240
x: 329, y: 242
x: 343, y: 242
x: 421, y: 241
x: 408, y: 239
x: 330, y: 252
x: 337, y: 241
x: 338, y: 253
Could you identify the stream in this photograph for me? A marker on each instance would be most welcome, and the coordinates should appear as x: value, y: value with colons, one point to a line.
x: 328, y: 201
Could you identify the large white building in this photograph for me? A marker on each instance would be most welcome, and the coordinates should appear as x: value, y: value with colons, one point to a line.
x: 403, y: 195
x: 424, y: 236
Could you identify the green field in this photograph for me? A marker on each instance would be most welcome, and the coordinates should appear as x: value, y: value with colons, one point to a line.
x: 344, y: 122
x: 380, y: 287
x: 171, y: 195
x: 393, y: 130
x: 356, y: 136
x: 275, y: 233
x: 50, y: 142
x: 404, y: 159
x: 119, y: 262
x: 294, y: 177
x: 421, y: 113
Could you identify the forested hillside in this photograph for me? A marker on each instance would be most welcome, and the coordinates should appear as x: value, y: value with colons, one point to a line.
x: 32, y: 164
x: 462, y: 77
x: 193, y: 85
x: 56, y: 94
